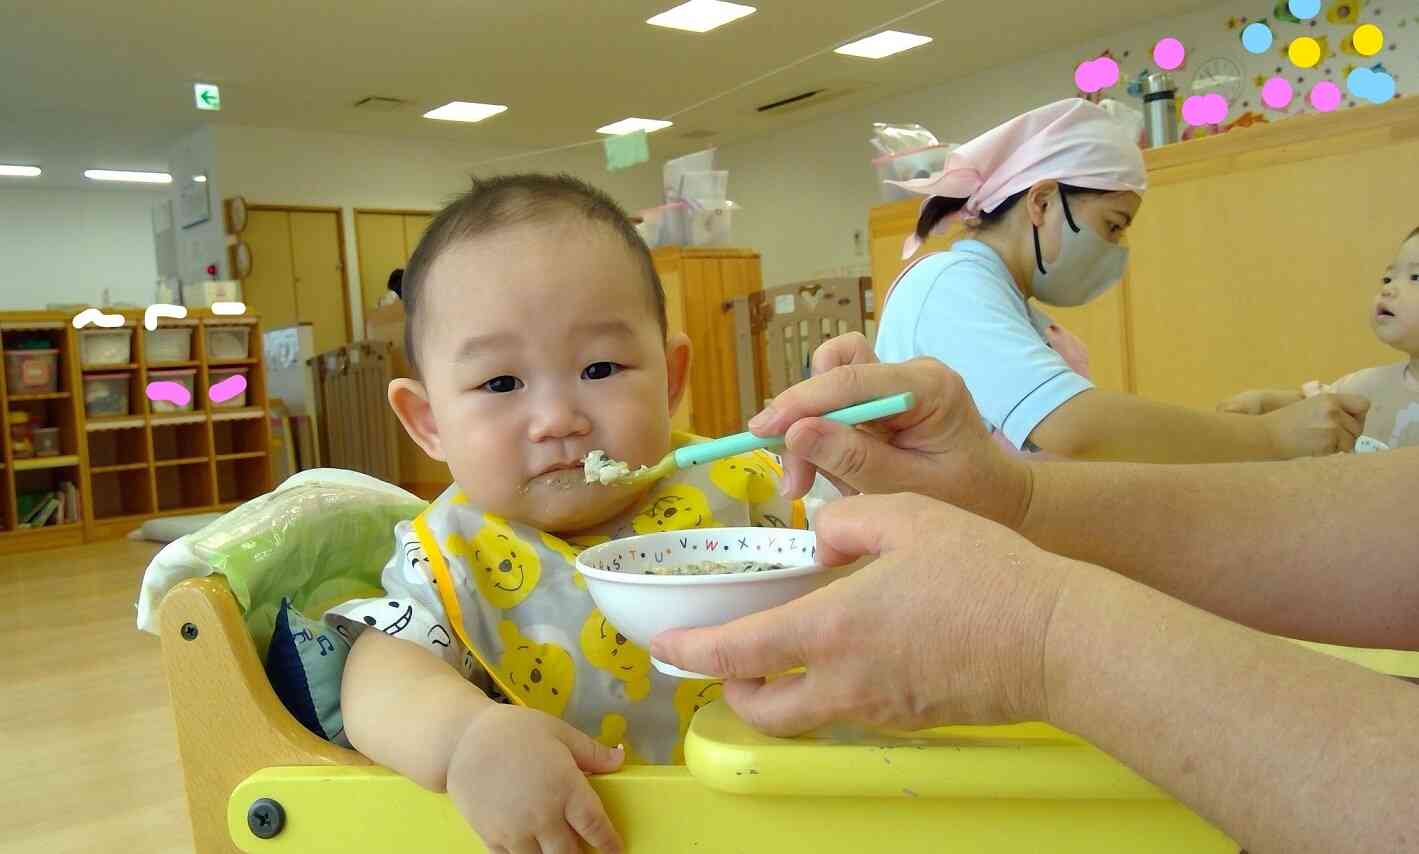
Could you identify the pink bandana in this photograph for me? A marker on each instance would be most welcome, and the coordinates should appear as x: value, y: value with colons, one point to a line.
x: 1073, y: 142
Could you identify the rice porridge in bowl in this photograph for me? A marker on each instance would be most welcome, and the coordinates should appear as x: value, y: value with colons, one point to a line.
x: 703, y: 577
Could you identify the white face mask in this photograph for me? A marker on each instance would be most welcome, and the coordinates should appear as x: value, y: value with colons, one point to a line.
x: 1087, y: 266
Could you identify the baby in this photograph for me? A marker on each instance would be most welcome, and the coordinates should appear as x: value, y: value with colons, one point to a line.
x: 537, y: 326
x: 1393, y: 390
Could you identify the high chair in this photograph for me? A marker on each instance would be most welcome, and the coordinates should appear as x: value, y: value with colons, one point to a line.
x: 257, y: 781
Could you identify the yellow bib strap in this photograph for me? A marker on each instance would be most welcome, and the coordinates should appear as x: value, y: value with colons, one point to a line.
x: 448, y: 595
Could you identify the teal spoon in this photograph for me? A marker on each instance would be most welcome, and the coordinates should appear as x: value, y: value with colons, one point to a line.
x: 717, y: 449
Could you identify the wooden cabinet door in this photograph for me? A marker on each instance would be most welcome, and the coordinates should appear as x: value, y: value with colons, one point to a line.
x: 269, y: 290
x: 381, y: 251
x: 319, y: 277
x: 414, y: 225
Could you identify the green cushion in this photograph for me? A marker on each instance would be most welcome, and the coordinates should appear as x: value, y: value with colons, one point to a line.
x: 315, y: 543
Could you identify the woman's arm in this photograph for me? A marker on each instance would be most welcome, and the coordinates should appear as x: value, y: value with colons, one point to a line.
x: 1104, y: 425
x: 1285, y: 749
x: 1317, y: 549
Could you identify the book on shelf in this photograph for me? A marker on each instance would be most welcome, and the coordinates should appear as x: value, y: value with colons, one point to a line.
x: 59, y: 507
x: 72, y: 506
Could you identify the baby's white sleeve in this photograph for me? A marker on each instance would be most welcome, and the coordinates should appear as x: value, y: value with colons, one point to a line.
x: 409, y: 610
x: 819, y: 494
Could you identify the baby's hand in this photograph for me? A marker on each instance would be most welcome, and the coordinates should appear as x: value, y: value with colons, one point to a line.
x: 518, y: 777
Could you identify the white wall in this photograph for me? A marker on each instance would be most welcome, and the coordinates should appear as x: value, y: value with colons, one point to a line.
x: 291, y: 167
x: 66, y: 246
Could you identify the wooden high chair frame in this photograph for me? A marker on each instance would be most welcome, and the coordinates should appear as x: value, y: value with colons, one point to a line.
x: 258, y: 781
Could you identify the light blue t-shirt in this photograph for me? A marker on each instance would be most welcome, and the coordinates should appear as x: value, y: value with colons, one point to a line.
x: 962, y: 308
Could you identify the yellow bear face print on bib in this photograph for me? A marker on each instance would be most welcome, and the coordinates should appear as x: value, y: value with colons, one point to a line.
x: 505, y: 568
x: 543, y: 673
x: 676, y: 507
x: 611, y: 651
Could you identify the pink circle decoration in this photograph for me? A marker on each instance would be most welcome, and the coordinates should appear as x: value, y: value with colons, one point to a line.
x: 1325, y: 96
x: 1277, y: 93
x: 1094, y: 75
x: 1209, y: 109
x: 1169, y: 53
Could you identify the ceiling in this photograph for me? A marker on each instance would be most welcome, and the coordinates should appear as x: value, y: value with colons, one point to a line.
x: 110, y: 84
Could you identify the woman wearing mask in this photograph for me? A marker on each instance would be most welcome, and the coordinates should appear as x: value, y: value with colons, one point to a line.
x: 1046, y: 199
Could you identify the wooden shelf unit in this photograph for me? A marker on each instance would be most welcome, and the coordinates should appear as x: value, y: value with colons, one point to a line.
x: 143, y: 464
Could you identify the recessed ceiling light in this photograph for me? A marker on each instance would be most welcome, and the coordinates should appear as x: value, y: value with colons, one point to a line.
x: 701, y: 16
x: 132, y: 177
x: 464, y: 111
x: 883, y: 44
x: 633, y: 125
x: 19, y: 171
x: 201, y: 179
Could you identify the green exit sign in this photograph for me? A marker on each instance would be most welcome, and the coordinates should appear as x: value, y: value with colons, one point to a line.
x: 208, y: 97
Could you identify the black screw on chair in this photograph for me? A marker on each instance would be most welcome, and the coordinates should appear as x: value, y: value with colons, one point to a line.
x: 265, y: 818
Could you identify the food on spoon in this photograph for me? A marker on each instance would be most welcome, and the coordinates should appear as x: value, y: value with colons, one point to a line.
x: 606, y: 471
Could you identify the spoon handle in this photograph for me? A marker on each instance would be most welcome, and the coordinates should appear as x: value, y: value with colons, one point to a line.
x: 718, y: 449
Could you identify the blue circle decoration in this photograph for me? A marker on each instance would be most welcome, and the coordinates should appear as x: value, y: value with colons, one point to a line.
x: 1372, y: 85
x: 1257, y: 38
x: 1304, y: 9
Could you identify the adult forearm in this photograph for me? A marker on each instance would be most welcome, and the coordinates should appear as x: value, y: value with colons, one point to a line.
x: 1283, y: 749
x: 1103, y: 425
x: 406, y: 709
x: 1319, y: 549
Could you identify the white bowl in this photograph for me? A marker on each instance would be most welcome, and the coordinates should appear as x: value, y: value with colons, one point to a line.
x: 642, y: 606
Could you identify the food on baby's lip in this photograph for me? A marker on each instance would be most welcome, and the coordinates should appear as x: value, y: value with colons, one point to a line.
x: 712, y: 567
x: 604, y: 470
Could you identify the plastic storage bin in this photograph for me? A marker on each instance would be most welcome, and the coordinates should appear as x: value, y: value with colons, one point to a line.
x: 710, y: 225
x: 167, y: 345
x: 187, y: 378
x: 21, y: 435
x: 32, y: 371
x: 921, y: 163
x: 105, y: 395
x: 227, y: 342
x: 100, y: 347
x: 664, y: 225
x: 216, y: 377
x: 46, y: 441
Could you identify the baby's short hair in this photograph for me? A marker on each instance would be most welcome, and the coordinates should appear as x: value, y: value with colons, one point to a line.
x: 506, y: 200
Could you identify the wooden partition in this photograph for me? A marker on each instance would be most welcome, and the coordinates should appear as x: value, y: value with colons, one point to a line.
x: 1257, y: 254
x: 700, y: 287
x: 1254, y: 260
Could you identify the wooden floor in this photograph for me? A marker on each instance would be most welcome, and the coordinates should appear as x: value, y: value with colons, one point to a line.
x: 88, y: 753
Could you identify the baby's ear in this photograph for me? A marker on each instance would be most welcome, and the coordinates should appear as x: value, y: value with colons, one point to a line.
x: 677, y: 368
x: 410, y: 401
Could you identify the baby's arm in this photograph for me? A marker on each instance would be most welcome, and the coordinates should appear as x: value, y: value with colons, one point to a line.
x: 406, y: 709
x: 515, y: 774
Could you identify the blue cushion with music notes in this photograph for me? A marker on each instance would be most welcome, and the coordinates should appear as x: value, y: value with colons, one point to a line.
x: 304, y: 663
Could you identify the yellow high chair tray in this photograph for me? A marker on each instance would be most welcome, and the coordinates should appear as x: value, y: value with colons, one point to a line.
x: 257, y: 781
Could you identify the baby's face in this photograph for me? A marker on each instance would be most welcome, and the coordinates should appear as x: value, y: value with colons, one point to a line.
x: 541, y: 344
x: 1396, y: 311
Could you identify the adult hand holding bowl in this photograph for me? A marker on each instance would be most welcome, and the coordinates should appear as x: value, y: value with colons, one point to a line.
x: 700, y: 577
